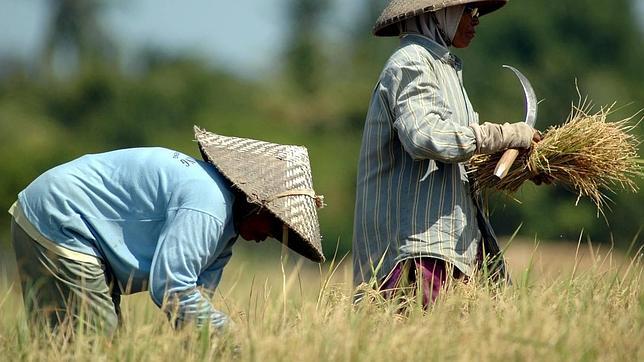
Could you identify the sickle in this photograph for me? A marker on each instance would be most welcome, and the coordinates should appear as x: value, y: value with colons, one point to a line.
x: 506, y: 161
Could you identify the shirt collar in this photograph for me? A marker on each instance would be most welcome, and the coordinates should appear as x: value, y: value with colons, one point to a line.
x: 439, y: 51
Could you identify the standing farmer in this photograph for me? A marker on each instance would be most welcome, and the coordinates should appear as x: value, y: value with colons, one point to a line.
x: 154, y: 219
x: 416, y: 219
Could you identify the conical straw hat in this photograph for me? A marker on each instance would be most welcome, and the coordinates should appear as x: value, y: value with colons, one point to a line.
x: 399, y: 10
x: 277, y: 177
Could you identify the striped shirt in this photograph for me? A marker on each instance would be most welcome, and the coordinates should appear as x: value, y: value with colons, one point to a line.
x: 413, y: 196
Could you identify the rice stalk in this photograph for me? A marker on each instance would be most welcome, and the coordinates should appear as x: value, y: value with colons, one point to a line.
x: 587, y: 154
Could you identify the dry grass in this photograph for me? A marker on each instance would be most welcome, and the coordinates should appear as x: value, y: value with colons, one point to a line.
x: 588, y: 307
x: 587, y: 154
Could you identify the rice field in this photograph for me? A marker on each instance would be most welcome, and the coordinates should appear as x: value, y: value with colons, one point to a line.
x: 567, y: 303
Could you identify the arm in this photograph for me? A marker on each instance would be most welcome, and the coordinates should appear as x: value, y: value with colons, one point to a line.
x: 209, y: 278
x: 186, y: 247
x: 424, y: 121
x: 426, y: 127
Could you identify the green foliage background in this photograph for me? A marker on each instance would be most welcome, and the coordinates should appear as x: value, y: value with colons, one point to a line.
x: 319, y: 97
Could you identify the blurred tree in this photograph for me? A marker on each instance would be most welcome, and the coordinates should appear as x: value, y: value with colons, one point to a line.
x: 369, y: 53
x: 366, y: 56
x: 554, y: 46
x: 321, y: 101
x: 76, y: 35
x: 304, y: 53
x: 559, y: 47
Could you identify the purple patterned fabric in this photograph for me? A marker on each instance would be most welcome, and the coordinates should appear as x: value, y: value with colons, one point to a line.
x: 431, y: 272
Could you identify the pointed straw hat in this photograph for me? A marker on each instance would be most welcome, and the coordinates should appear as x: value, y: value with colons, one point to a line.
x: 276, y: 177
x: 399, y: 10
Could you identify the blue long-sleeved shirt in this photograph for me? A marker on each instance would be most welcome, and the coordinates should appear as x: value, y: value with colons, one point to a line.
x: 160, y: 220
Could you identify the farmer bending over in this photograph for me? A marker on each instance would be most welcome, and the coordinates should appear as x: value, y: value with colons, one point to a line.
x: 154, y: 219
x: 416, y: 220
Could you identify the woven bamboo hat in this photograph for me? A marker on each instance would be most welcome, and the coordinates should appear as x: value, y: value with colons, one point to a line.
x: 277, y: 177
x: 399, y: 10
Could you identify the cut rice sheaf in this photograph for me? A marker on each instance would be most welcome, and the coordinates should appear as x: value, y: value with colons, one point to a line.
x: 587, y: 154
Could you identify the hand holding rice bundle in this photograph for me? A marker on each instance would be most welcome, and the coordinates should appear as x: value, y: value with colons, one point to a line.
x: 587, y: 154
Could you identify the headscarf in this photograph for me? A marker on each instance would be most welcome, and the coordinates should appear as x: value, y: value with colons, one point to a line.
x: 440, y: 25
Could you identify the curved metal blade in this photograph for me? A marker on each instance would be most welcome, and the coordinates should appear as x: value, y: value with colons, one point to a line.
x: 530, y: 97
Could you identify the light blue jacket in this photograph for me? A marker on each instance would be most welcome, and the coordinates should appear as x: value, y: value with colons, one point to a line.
x: 160, y: 220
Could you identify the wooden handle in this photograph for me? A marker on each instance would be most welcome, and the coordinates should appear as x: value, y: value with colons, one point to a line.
x: 506, y: 161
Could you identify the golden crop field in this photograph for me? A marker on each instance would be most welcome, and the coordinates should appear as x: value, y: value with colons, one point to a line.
x: 565, y: 304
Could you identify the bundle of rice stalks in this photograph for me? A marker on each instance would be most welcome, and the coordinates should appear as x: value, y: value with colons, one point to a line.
x: 587, y: 154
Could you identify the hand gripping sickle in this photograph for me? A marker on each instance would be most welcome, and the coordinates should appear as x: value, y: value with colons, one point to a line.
x: 506, y: 161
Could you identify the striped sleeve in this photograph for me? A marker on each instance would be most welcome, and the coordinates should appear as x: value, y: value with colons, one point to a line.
x: 423, y: 119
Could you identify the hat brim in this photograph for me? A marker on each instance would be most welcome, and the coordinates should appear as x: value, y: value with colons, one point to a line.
x: 295, y: 240
x: 297, y: 243
x: 388, y: 25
